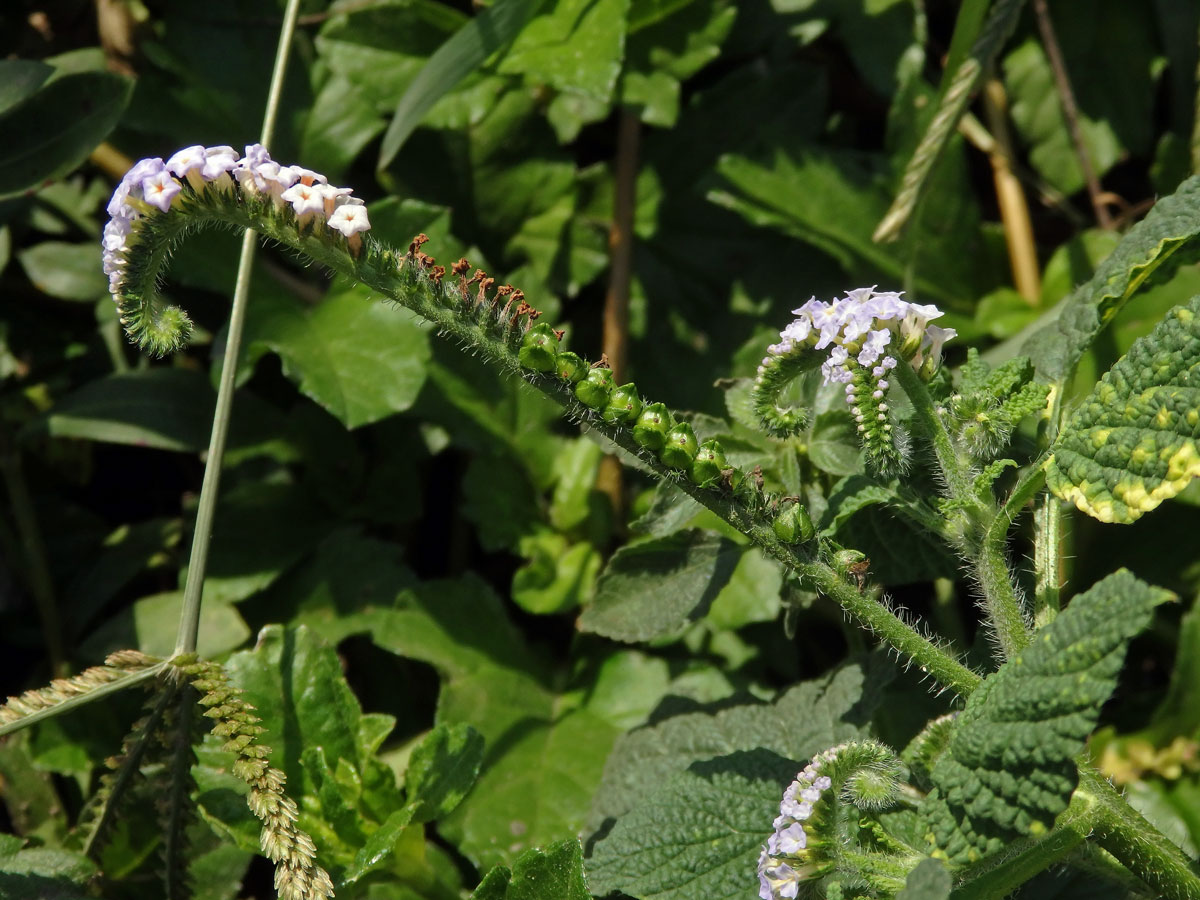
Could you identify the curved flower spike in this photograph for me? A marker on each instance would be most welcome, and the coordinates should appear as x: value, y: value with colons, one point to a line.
x: 864, y: 335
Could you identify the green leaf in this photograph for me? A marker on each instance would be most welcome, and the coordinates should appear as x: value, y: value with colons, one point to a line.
x: 492, y: 28
x: 150, y: 625
x: 1037, y: 113
x: 559, y: 575
x: 807, y: 718
x: 339, y: 125
x: 66, y: 271
x: 19, y: 78
x: 698, y: 834
x: 930, y: 880
x: 833, y: 444
x: 53, y: 129
x: 442, y: 769
x: 668, y: 43
x: 576, y: 48
x: 160, y: 407
x: 170, y: 409
x: 555, y: 873
x: 42, y: 873
x: 379, y: 845
x: 361, y: 359
x: 655, y: 587
x: 261, y: 530
x: 1132, y: 444
x: 296, y: 683
x: 752, y: 594
x: 1173, y: 222
x: 381, y: 48
x: 1009, y: 769
x: 833, y: 201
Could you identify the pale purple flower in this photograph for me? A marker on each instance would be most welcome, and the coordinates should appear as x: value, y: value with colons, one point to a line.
x: 160, y: 189
x: 189, y: 159
x: 791, y: 840
x: 255, y: 155
x: 874, y: 346
x: 823, y: 783
x: 935, y: 338
x: 218, y: 161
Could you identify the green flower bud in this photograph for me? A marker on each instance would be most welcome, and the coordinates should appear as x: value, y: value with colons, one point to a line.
x: 595, y: 389
x: 680, y: 447
x: 793, y: 525
x: 652, y: 426
x: 539, y: 348
x: 571, y: 367
x: 624, y: 405
x: 709, y: 463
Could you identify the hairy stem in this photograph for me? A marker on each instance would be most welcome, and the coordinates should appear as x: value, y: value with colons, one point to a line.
x: 1047, y: 560
x: 952, y: 465
x: 1141, y: 848
x: 1001, y: 874
x: 189, y: 620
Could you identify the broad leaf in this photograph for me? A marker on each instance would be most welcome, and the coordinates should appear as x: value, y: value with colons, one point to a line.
x: 359, y: 358
x: 442, y: 769
x: 1132, y: 444
x: 1009, y: 769
x: 655, y: 587
x: 1173, y: 222
x: 930, y: 880
x: 555, y: 873
x: 66, y: 271
x: 809, y: 717
x: 465, y: 51
x: 698, y: 833
x: 53, y: 129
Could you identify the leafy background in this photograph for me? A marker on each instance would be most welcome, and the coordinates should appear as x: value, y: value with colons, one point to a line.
x: 437, y: 568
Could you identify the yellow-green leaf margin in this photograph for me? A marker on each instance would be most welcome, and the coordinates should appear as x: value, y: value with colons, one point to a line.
x: 1132, y: 444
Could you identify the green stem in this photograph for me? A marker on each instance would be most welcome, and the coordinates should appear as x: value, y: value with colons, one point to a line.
x: 1047, y: 534
x: 928, y: 656
x: 954, y: 470
x: 1141, y: 848
x: 193, y: 590
x: 1002, y: 873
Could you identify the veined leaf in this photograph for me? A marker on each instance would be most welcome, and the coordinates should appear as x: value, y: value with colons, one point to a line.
x: 1132, y: 444
x: 1173, y: 222
x: 1009, y: 769
x: 465, y: 50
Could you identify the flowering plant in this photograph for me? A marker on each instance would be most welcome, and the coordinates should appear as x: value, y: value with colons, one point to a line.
x: 797, y: 614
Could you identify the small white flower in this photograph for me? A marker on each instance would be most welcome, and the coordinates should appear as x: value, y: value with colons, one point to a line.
x: 350, y: 219
x: 305, y: 199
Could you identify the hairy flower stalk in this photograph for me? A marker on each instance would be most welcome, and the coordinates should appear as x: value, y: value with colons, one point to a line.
x: 184, y: 182
x: 494, y: 321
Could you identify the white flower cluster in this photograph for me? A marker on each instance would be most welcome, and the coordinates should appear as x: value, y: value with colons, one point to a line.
x: 861, y: 328
x: 777, y: 877
x: 154, y: 186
